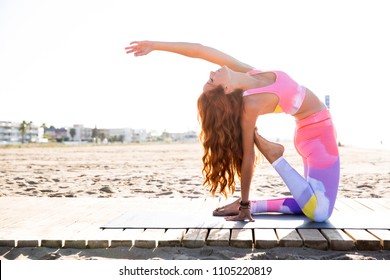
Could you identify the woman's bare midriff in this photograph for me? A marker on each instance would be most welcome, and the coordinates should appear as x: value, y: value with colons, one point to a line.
x: 311, y: 105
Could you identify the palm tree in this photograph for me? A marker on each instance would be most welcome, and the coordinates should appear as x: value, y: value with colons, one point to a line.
x: 29, y: 126
x: 102, y: 136
x: 23, y: 129
x: 95, y: 134
x: 44, y: 126
x: 72, y: 133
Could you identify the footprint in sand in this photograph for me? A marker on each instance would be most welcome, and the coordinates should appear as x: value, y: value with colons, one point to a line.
x: 106, y: 189
x: 32, y: 182
x: 184, y: 180
x: 364, y: 186
x: 196, y: 192
x: 46, y: 191
x: 55, y: 195
x: 285, y: 193
x: 164, y: 193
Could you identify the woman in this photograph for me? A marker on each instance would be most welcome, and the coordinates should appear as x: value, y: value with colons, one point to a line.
x: 233, y: 98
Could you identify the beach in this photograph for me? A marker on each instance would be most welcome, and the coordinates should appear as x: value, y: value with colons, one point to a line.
x: 168, y: 170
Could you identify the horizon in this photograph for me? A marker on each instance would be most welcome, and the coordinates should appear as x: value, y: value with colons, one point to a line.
x: 49, y: 125
x: 278, y: 138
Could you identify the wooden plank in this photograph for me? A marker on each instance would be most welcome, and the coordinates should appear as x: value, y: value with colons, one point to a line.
x: 149, y: 238
x: 27, y: 242
x: 88, y: 227
x: 382, y: 202
x: 312, y: 238
x: 55, y: 236
x: 265, y: 238
x: 218, y: 237
x: 370, y: 203
x: 338, y: 240
x: 289, y: 238
x: 52, y: 243
x: 20, y: 238
x: 355, y: 205
x: 195, y: 238
x: 32, y: 211
x: 27, y: 225
x: 83, y: 229
x: 364, y: 240
x: 341, y: 206
x: 241, y: 238
x: 125, y: 237
x: 75, y: 243
x: 77, y: 221
x: 24, y: 228
x: 171, y: 238
x: 12, y: 209
x: 77, y: 229
x: 383, y: 235
x: 98, y: 238
x: 7, y: 242
x: 29, y: 232
x: 10, y: 237
x: 48, y: 225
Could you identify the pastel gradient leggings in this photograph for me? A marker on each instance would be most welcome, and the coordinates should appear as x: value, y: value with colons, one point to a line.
x: 313, y: 194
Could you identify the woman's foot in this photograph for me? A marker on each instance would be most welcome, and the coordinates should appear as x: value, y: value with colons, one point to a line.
x: 228, y: 210
x: 271, y: 151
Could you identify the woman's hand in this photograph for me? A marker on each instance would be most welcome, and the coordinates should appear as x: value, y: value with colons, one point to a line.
x: 140, y: 48
x: 243, y: 214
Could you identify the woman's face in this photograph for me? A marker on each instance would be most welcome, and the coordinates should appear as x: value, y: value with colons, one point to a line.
x: 220, y: 77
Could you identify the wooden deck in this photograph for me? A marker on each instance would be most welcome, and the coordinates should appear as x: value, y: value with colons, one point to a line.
x: 76, y: 222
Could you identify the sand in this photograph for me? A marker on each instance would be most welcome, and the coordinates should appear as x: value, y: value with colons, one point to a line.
x: 170, y: 171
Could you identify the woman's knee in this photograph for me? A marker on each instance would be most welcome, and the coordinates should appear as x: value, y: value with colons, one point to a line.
x: 318, y: 208
x: 322, y: 213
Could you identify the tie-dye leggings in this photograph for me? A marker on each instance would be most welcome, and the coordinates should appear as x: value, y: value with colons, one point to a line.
x: 313, y: 194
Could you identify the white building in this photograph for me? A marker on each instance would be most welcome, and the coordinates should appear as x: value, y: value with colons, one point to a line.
x: 124, y: 134
x: 189, y: 136
x: 10, y: 133
x: 139, y: 135
x: 82, y: 133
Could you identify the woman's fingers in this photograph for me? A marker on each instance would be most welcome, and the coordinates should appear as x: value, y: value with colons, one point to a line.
x: 134, y: 47
x: 138, y: 48
x: 130, y: 50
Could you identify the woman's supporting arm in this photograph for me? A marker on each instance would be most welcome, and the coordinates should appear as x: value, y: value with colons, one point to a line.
x: 248, y: 124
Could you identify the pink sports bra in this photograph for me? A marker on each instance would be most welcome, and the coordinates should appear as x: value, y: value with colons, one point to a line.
x: 290, y: 93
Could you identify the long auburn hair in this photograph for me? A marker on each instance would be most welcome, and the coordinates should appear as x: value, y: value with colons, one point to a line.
x: 220, y: 117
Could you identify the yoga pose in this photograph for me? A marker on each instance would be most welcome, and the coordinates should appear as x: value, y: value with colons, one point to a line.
x: 233, y: 98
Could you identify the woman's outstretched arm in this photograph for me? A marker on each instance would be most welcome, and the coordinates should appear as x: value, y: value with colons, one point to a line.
x: 193, y: 50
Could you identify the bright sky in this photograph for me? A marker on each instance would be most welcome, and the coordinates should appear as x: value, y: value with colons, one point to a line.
x: 63, y: 62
